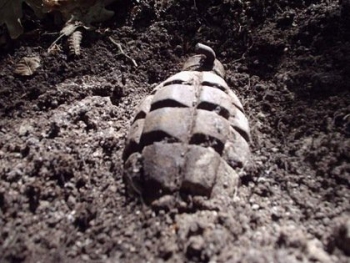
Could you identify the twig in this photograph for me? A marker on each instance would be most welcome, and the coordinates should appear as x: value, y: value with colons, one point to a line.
x: 122, y: 51
x: 195, y: 4
x: 244, y: 54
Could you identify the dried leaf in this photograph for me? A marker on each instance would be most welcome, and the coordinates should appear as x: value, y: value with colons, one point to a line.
x: 37, y: 6
x: 54, y: 49
x: 3, y: 36
x: 27, y: 66
x: 97, y: 13
x: 67, y: 5
x: 85, y: 11
x: 10, y: 14
x: 74, y: 42
x: 69, y: 29
x: 68, y: 8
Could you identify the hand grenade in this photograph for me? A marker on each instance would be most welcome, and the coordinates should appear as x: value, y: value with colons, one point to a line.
x: 189, y: 136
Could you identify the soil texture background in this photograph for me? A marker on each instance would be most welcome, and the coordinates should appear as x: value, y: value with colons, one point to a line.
x: 63, y: 130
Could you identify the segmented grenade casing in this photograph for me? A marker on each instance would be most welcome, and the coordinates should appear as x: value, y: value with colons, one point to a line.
x: 188, y: 136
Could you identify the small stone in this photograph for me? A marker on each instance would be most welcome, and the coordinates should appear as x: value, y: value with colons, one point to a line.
x: 195, y: 246
x: 25, y: 129
x: 71, y: 201
x: 274, y: 149
x: 255, y: 206
x: 342, y: 237
x: 316, y: 252
x: 166, y: 202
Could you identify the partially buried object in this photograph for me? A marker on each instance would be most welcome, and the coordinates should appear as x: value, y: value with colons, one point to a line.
x: 189, y: 136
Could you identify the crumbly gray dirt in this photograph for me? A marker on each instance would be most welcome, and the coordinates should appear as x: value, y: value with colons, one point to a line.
x: 63, y: 130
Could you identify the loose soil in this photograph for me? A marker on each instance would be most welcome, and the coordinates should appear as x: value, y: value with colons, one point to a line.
x: 62, y: 133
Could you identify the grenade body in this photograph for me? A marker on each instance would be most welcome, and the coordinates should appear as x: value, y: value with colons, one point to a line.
x: 189, y: 136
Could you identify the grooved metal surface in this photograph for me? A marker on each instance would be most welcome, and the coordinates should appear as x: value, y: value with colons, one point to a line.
x: 188, y: 136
